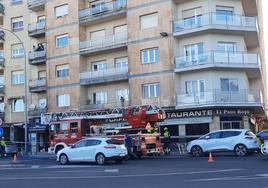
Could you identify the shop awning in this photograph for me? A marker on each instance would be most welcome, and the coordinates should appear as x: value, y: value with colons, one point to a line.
x: 184, y: 121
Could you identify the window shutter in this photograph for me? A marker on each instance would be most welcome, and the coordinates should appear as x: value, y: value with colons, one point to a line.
x: 150, y: 20
x: 191, y: 12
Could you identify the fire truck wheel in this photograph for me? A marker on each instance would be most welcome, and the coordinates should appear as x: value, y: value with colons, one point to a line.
x: 100, y: 159
x: 63, y: 159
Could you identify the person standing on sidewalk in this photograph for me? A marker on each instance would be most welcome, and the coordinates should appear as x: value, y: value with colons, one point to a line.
x: 3, y: 147
x: 166, y: 141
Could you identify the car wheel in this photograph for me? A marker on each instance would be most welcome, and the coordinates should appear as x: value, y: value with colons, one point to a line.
x: 240, y: 150
x: 63, y: 159
x: 100, y: 159
x: 196, y: 151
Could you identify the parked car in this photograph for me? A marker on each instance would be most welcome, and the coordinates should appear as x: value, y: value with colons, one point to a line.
x: 99, y: 150
x: 239, y: 141
x: 11, y: 148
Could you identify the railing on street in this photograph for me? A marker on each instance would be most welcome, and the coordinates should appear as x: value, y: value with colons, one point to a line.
x: 102, y: 8
x: 104, y: 42
x: 214, y: 97
x: 215, y: 19
x: 218, y: 58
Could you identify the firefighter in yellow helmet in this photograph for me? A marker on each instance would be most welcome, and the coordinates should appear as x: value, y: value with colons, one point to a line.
x: 3, y: 147
x: 166, y: 141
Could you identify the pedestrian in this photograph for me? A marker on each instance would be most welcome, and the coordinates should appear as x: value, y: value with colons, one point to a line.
x: 166, y: 141
x: 129, y: 146
x: 3, y: 147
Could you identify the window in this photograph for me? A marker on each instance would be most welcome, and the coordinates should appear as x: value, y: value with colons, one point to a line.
x: 122, y: 93
x: 63, y: 100
x: 194, y: 53
x: 17, y: 105
x: 92, y: 142
x: 1, y: 80
x: 230, y: 124
x: 17, y: 51
x: 17, y: 77
x: 62, y: 70
x: 192, y: 17
x: 61, y: 11
x: 80, y: 144
x: 119, y: 3
x: 151, y: 90
x: 98, y: 7
x: 121, y: 62
x: 229, y: 84
x: 42, y: 74
x: 148, y: 21
x: 227, y: 134
x: 62, y: 40
x: 17, y: 23
x: 120, y: 29
x: 97, y: 34
x: 74, y: 127
x: 100, y: 65
x: 194, y: 86
x: 215, y: 135
x: 100, y: 97
x: 65, y: 128
x: 197, y: 129
x: 227, y: 47
x: 224, y: 14
x: 14, y: 2
x: 41, y: 19
x: 55, y: 128
x: 150, y: 55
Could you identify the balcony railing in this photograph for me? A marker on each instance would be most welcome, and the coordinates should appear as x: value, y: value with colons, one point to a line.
x: 219, y: 59
x: 215, y: 19
x: 100, y: 9
x: 114, y: 74
x: 37, y: 57
x: 105, y: 104
x: 2, y: 88
x: 38, y: 85
x: 36, y: 5
x: 218, y: 97
x: 37, y: 29
x: 111, y: 41
x: 36, y: 111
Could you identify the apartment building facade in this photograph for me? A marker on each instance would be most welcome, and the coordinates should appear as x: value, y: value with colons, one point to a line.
x: 198, y: 59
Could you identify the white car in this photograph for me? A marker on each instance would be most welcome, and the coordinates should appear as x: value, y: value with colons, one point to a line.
x: 98, y: 150
x: 240, y: 141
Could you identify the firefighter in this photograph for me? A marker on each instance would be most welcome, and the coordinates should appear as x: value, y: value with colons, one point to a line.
x: 3, y: 147
x: 166, y: 141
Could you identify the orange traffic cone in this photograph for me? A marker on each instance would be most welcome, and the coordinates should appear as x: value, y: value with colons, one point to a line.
x: 14, y: 158
x: 210, y: 158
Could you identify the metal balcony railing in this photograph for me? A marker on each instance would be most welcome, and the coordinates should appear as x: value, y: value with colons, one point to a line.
x: 104, y: 73
x: 105, y: 104
x: 2, y: 9
x: 218, y: 97
x: 104, y: 42
x: 2, y: 88
x: 102, y: 8
x: 215, y: 19
x: 36, y: 4
x: 36, y: 111
x: 2, y: 59
x: 232, y: 59
x: 37, y: 83
x: 37, y: 28
x: 37, y: 57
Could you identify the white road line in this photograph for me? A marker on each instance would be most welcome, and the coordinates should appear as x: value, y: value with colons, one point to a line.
x: 11, y: 165
x: 111, y: 170
x: 35, y: 166
x: 118, y: 176
x: 233, y: 178
x: 70, y: 166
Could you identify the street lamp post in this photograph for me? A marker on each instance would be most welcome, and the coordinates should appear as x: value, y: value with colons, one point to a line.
x: 25, y: 90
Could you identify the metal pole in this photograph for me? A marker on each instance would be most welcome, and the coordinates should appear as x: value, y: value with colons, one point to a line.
x: 25, y: 91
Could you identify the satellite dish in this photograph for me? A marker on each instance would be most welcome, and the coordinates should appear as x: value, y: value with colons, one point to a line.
x: 43, y: 105
x: 32, y: 106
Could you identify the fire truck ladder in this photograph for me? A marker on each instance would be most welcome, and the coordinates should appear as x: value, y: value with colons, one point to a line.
x: 48, y: 118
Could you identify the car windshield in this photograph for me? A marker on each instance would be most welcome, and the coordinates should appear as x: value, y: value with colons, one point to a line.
x: 114, y: 141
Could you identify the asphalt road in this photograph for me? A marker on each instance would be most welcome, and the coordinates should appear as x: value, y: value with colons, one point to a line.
x: 226, y: 171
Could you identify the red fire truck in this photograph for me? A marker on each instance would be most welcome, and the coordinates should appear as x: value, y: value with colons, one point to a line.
x: 68, y: 127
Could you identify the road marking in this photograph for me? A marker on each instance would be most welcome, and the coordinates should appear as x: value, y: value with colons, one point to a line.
x: 71, y: 166
x: 11, y: 165
x: 111, y: 170
x: 237, y: 178
x: 118, y: 176
x: 35, y: 166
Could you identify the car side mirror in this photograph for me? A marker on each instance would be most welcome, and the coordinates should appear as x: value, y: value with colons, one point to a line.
x: 207, y: 137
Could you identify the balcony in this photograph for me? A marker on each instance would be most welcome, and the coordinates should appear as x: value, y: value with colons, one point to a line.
x: 2, y: 59
x: 245, y: 61
x: 36, y: 86
x: 106, y: 43
x: 211, y: 98
x: 2, y: 115
x: 37, y: 57
x: 37, y: 29
x: 36, y: 112
x: 36, y: 5
x: 98, y: 105
x: 220, y: 23
x: 104, y: 76
x: 103, y: 12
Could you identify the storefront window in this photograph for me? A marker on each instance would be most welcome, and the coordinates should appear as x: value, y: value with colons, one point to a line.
x: 231, y: 122
x: 196, y: 130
